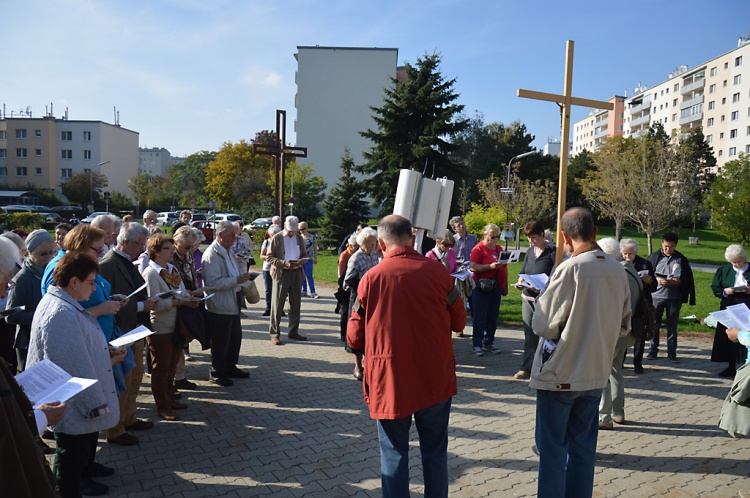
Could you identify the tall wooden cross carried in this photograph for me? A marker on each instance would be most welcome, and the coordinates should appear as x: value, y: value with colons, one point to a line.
x: 279, y: 151
x: 565, y: 101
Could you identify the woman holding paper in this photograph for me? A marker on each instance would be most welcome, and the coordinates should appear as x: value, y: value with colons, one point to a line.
x: 443, y: 252
x: 185, y: 239
x: 730, y: 284
x: 68, y: 335
x: 539, y: 259
x: 161, y: 276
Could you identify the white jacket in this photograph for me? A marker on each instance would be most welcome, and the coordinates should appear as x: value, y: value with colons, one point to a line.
x: 585, y: 308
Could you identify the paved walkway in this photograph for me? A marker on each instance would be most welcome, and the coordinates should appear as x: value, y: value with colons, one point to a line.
x: 299, y: 427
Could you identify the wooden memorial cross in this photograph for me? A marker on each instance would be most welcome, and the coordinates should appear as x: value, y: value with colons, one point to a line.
x: 565, y: 101
x: 279, y: 151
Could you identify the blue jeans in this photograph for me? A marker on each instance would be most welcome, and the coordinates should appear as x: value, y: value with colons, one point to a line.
x: 567, y: 427
x: 308, y: 267
x: 268, y: 282
x: 673, y: 316
x: 432, y: 426
x: 485, y: 307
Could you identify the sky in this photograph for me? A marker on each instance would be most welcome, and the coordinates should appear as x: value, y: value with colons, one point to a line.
x: 190, y: 75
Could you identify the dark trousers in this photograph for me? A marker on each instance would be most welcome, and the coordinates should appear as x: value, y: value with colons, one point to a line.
x: 75, y: 452
x: 164, y: 356
x: 672, y: 307
x: 530, y: 339
x: 226, y: 339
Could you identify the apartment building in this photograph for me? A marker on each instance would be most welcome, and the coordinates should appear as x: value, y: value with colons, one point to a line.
x: 155, y: 161
x: 46, y: 151
x: 590, y: 133
x: 336, y: 86
x: 714, y: 95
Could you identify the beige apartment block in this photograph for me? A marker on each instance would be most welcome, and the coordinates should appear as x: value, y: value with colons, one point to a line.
x: 46, y: 151
x: 590, y: 133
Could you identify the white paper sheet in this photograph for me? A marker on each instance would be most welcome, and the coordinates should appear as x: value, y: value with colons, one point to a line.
x: 134, y: 335
x: 139, y: 289
x: 462, y: 274
x: 736, y: 316
x: 538, y: 281
x: 46, y: 381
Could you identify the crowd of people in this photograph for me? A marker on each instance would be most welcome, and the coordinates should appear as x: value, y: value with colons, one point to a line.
x: 399, y: 307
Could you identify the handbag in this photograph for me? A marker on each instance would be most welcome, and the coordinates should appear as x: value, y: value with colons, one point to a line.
x: 487, y: 284
x: 250, y: 291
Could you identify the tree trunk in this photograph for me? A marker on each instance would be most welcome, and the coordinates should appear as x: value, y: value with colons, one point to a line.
x: 650, y: 243
x: 618, y: 228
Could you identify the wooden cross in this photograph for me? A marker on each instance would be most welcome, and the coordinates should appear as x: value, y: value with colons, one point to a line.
x: 565, y: 101
x: 279, y: 151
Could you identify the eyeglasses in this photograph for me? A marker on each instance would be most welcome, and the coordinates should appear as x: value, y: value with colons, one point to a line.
x: 99, y: 250
x: 493, y: 237
x: 47, y: 253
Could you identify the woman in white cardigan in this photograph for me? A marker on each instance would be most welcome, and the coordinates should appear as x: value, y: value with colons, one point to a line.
x: 161, y: 276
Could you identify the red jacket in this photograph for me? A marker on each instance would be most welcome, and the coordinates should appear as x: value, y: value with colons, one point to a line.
x: 404, y: 325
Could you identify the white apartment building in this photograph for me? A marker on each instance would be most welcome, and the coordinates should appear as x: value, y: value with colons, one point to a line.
x: 590, y: 132
x: 47, y: 151
x: 155, y: 161
x: 553, y: 147
x: 714, y: 95
x: 336, y: 86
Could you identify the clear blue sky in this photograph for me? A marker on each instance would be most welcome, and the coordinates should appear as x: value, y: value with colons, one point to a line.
x: 189, y: 75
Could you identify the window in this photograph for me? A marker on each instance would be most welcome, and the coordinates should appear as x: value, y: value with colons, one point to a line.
x: 721, y: 153
x: 4, y: 152
x: 21, y: 152
x: 726, y: 65
x: 721, y: 136
x: 38, y: 133
x: 67, y: 154
x: 710, y: 122
x: 676, y: 87
x: 735, y: 98
x: 66, y: 172
x: 87, y: 154
x: 86, y: 136
x: 733, y: 133
x: 711, y: 105
x: 709, y: 138
x: 21, y: 171
x: 20, y: 134
x: 738, y: 79
x: 39, y: 172
x: 38, y: 152
x: 713, y: 71
x: 732, y: 151
x: 735, y: 115
x: 2, y: 134
x: 674, y: 103
x: 712, y: 88
x: 3, y: 171
x: 722, y: 118
x: 674, y: 117
x: 66, y: 136
x: 724, y: 84
x: 748, y: 130
x: 747, y: 149
x: 738, y: 61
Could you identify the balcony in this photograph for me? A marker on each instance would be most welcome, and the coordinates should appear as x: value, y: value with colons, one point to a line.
x: 691, y: 102
x: 696, y: 85
x: 698, y: 116
x: 635, y: 122
x: 601, y: 133
x: 645, y: 104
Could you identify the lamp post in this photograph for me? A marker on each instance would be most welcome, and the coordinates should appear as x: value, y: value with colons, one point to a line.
x: 91, y: 183
x: 519, y: 156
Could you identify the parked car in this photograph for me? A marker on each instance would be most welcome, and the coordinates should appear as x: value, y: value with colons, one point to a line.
x: 226, y: 217
x: 198, y: 217
x: 206, y: 228
x: 16, y: 208
x: 90, y: 218
x: 258, y: 223
x: 166, y: 218
x: 50, y: 220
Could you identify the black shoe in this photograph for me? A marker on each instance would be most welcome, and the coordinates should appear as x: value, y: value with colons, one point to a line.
x: 728, y: 373
x: 236, y: 373
x: 177, y: 395
x: 673, y: 358
x: 651, y: 356
x: 48, y: 435
x: 267, y: 313
x: 638, y: 369
x: 89, y: 487
x: 185, y: 384
x: 98, y: 470
x: 221, y: 381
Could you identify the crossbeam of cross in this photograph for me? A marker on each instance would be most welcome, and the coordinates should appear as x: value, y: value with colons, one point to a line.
x: 565, y: 101
x: 280, y: 152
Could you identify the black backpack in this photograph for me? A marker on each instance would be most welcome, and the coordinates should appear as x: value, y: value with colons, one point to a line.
x: 643, y: 322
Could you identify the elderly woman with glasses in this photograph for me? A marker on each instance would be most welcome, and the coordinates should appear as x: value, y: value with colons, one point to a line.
x: 491, y: 278
x: 443, y: 252
x: 26, y: 289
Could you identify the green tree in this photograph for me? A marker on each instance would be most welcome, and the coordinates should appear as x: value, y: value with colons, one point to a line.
x: 418, y: 119
x: 309, y: 191
x: 237, y: 178
x: 345, y: 206
x: 151, y: 191
x: 188, y: 179
x: 78, y: 188
x: 729, y: 199
x: 578, y: 168
x: 698, y: 165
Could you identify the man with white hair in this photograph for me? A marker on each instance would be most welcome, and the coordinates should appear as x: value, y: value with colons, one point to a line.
x: 107, y: 223
x: 286, y: 255
x: 612, y: 404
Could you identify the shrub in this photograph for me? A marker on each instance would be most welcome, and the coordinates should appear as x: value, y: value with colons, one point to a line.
x: 480, y: 215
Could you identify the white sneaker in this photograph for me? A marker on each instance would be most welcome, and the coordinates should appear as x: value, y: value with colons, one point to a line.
x: 478, y: 351
x: 491, y: 349
x: 314, y: 295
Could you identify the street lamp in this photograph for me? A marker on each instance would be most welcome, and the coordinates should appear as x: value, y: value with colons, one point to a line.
x: 508, y: 190
x: 91, y: 183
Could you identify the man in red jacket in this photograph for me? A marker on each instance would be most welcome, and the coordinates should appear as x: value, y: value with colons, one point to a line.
x: 406, y: 309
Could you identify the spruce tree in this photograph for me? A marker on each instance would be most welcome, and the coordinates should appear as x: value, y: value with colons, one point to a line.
x: 345, y: 205
x: 416, y: 124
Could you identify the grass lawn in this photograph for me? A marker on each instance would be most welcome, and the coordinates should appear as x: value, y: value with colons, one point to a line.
x: 510, y: 309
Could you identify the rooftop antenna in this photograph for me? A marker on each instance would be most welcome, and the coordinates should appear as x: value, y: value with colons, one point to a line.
x: 28, y: 110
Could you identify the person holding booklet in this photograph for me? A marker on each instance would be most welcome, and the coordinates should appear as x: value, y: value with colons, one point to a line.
x: 70, y: 336
x: 539, y: 260
x: 730, y: 284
